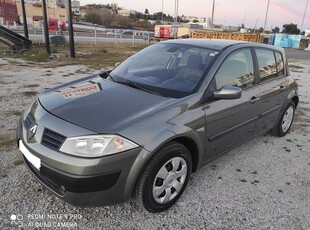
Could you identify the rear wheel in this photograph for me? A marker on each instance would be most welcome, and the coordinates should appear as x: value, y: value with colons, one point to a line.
x: 285, y: 122
x: 164, y: 178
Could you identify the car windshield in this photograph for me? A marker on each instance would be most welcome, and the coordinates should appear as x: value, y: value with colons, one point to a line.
x: 172, y: 70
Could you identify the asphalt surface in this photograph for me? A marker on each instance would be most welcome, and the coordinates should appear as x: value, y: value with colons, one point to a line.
x: 263, y: 184
x: 298, y: 54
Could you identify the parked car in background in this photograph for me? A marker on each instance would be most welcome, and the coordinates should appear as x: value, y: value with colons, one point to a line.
x: 141, y: 129
x: 128, y: 32
x: 149, y: 36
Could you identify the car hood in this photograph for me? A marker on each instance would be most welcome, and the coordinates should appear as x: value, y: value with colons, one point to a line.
x: 100, y: 105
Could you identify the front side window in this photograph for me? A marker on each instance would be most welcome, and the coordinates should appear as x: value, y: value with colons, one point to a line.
x: 267, y: 64
x: 236, y: 70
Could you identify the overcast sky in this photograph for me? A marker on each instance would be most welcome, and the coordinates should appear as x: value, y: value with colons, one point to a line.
x: 228, y: 12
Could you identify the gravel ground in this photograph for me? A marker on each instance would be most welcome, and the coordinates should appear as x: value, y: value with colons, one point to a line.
x: 263, y: 184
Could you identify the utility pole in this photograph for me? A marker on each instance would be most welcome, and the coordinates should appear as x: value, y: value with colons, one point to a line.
x: 70, y: 25
x: 177, y: 10
x: 245, y: 13
x: 162, y: 10
x: 212, y: 17
x: 25, y: 19
x: 255, y: 25
x: 266, y: 15
x: 303, y: 18
x: 45, y: 28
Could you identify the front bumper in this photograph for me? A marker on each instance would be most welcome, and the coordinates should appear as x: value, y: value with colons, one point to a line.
x: 81, y: 181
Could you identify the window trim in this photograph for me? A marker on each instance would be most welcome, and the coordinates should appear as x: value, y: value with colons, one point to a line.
x: 251, y: 49
x: 284, y: 68
x: 274, y: 55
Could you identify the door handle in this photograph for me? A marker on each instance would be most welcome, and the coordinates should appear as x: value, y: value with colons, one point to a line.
x: 254, y: 99
x: 282, y: 88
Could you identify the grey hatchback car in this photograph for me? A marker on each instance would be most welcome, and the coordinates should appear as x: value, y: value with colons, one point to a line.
x: 141, y: 129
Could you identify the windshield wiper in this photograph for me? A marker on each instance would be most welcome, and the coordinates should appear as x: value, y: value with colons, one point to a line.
x: 106, y: 73
x: 139, y: 86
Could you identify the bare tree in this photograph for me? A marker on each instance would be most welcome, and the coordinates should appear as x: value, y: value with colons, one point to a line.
x: 114, y: 7
x: 106, y: 17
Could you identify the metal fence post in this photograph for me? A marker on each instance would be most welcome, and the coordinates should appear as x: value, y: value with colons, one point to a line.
x: 95, y: 36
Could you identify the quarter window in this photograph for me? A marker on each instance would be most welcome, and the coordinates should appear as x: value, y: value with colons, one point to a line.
x: 280, y: 64
x: 236, y: 70
x: 267, y: 64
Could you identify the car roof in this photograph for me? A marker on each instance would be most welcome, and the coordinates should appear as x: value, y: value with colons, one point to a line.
x: 217, y: 44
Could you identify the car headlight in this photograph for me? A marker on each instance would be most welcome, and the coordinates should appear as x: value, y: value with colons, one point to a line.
x: 96, y: 145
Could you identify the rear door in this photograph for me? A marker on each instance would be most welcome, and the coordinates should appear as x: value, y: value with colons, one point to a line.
x: 273, y: 85
x: 230, y: 122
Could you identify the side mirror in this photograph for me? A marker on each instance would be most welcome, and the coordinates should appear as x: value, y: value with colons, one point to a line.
x: 117, y: 64
x: 227, y: 92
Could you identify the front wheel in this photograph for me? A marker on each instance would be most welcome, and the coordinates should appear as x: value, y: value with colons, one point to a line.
x: 285, y: 122
x: 164, y: 178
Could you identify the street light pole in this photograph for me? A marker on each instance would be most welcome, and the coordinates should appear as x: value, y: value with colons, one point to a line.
x: 212, y: 17
x: 176, y: 9
x: 266, y: 15
x: 303, y: 18
x: 245, y: 13
x: 162, y: 10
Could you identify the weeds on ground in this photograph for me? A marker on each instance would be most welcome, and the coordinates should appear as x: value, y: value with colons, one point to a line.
x: 101, y: 55
x: 2, y: 82
x: 98, y: 56
x: 30, y: 93
x: 13, y: 112
x: 296, y: 66
x: 7, y: 140
x: 18, y: 162
x: 36, y: 54
x: 32, y: 85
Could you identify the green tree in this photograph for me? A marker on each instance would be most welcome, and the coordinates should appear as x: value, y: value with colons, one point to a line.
x: 114, y: 8
x: 93, y: 18
x: 146, y: 14
x: 290, y: 29
x: 276, y: 30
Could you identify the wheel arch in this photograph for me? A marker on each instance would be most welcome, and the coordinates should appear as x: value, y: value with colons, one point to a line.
x: 192, y: 147
x: 190, y: 140
x: 295, y: 99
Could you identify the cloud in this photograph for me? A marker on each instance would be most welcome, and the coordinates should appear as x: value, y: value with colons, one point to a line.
x: 290, y: 12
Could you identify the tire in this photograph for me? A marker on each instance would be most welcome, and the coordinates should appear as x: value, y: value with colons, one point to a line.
x: 285, y: 122
x: 164, y: 178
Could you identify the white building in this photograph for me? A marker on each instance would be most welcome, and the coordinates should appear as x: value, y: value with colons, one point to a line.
x: 194, y: 19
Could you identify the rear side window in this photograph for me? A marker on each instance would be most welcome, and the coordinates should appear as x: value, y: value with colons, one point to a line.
x: 280, y: 63
x: 236, y: 70
x: 267, y: 64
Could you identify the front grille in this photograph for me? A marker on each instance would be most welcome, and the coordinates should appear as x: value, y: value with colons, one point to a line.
x: 29, y: 120
x: 52, y: 139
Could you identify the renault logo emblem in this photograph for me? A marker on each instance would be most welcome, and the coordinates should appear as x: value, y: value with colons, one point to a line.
x: 32, y: 131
